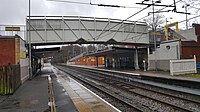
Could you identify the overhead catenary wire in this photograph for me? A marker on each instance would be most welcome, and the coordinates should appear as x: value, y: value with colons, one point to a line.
x: 157, y: 11
x: 81, y: 3
x: 195, y: 8
x: 178, y: 22
x: 189, y: 19
x: 131, y: 17
x: 147, y: 16
x: 103, y: 5
x: 143, y: 18
x: 123, y: 21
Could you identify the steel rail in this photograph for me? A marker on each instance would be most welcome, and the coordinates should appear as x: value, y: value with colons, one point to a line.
x: 166, y: 94
x: 76, y: 77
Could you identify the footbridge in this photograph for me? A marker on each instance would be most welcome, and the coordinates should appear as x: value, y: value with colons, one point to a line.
x: 57, y: 30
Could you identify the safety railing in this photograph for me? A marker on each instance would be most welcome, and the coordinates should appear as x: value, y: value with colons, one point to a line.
x: 9, y: 79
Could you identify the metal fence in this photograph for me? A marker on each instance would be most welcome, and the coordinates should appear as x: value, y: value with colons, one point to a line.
x: 9, y: 79
x: 183, y: 66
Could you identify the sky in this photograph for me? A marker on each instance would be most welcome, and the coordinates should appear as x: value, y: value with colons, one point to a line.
x: 14, y: 12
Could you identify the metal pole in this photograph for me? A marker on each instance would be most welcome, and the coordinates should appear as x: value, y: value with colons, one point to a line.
x: 29, y: 35
x: 186, y: 16
x: 154, y: 30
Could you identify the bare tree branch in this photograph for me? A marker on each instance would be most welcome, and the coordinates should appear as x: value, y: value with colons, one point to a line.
x: 158, y: 20
x: 194, y: 4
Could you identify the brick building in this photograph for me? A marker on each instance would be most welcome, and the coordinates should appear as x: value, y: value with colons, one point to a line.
x: 190, y: 48
x: 9, y: 47
x: 13, y: 51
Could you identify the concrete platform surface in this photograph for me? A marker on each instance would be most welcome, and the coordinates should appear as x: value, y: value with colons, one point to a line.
x: 63, y: 101
x: 32, y: 96
x: 70, y: 96
x: 84, y: 99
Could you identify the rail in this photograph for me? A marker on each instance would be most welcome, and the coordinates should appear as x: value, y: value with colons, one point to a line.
x: 109, y: 81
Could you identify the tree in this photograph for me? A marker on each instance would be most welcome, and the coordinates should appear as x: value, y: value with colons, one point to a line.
x: 158, y: 20
x: 193, y: 4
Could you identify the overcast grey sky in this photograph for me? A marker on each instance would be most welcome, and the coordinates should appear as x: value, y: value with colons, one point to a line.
x: 15, y: 11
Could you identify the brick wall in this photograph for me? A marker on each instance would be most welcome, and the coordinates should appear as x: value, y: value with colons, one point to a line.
x: 191, y: 48
x: 7, y: 51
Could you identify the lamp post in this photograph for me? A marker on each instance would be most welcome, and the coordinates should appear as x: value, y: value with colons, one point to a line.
x: 153, y: 24
x: 154, y: 37
x: 186, y: 20
x: 29, y: 35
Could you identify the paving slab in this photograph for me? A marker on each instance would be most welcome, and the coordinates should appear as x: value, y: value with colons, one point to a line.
x: 32, y: 96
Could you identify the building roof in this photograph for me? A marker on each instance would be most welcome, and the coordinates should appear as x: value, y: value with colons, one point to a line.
x: 114, y: 51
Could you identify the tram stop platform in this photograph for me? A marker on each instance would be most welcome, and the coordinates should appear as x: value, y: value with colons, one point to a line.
x: 68, y: 95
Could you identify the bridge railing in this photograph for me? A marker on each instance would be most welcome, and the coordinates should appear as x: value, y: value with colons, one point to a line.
x: 9, y: 79
x: 81, y: 30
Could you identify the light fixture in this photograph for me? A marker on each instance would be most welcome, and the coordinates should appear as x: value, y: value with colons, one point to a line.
x: 159, y: 1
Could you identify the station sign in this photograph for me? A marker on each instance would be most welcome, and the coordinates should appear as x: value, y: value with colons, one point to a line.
x: 12, y: 28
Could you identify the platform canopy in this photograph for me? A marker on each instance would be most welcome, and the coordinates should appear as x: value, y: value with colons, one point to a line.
x: 57, y: 30
x: 45, y: 52
x: 117, y: 51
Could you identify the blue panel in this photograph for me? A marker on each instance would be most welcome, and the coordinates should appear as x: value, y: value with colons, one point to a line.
x: 198, y: 65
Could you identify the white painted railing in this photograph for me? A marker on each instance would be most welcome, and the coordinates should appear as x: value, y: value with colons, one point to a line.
x: 183, y: 66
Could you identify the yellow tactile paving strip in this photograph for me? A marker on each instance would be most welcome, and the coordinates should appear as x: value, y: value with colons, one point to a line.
x: 83, y: 99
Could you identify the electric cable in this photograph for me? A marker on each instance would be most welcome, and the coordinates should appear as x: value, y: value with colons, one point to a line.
x: 103, y: 5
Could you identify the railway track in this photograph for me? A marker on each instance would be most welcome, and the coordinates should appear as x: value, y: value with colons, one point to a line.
x: 127, y: 80
x: 105, y: 94
x: 135, y: 95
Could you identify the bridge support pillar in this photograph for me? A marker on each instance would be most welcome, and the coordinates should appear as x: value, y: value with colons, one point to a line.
x: 97, y: 63
x: 113, y: 62
x: 148, y: 63
x: 136, y: 59
x: 105, y: 62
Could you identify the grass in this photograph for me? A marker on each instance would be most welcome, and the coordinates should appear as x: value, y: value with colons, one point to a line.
x: 191, y: 75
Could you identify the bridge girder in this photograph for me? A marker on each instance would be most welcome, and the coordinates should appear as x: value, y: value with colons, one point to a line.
x: 58, y: 30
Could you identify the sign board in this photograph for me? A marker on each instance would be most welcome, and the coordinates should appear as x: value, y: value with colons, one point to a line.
x: 23, y: 55
x: 12, y: 28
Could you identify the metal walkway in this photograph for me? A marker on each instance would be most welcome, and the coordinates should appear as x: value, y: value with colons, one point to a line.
x: 52, y: 30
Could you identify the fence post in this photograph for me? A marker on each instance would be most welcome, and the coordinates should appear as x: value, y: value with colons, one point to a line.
x: 171, y: 67
x: 4, y: 81
x: 195, y: 63
x: 9, y: 79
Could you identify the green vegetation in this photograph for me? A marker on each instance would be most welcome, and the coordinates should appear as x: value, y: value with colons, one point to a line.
x: 191, y: 75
